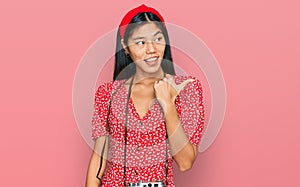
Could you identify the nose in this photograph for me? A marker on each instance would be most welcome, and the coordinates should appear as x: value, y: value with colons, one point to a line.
x: 151, y: 48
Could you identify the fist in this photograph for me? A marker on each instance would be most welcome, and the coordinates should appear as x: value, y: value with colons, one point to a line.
x: 166, y: 90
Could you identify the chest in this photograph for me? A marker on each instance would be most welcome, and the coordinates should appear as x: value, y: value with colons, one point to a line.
x: 143, y: 97
x: 145, y: 116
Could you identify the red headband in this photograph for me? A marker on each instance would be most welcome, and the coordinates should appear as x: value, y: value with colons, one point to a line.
x: 128, y: 17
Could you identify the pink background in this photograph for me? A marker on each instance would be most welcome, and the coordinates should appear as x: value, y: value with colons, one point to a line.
x: 256, y: 44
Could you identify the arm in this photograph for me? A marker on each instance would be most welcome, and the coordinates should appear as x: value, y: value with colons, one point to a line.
x: 183, y: 151
x: 91, y: 178
x: 99, y: 136
x: 184, y: 130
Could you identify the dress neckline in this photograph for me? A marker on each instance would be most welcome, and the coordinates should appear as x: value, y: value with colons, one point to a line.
x: 132, y: 105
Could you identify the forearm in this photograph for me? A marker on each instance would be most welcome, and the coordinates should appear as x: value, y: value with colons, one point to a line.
x: 184, y: 153
x: 91, y: 180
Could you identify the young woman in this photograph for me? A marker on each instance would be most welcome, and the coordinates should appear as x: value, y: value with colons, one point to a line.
x: 147, y: 116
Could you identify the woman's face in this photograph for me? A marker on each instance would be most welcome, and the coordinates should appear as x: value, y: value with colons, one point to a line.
x: 146, y: 47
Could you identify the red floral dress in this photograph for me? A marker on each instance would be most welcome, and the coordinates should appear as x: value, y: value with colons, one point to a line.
x: 146, y: 137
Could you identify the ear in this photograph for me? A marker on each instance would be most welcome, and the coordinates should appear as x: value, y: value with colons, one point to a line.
x: 124, y: 46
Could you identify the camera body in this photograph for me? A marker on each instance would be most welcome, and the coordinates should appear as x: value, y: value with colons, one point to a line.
x: 147, y: 184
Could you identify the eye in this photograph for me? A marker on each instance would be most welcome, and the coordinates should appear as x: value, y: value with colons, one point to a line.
x: 158, y: 39
x: 140, y: 42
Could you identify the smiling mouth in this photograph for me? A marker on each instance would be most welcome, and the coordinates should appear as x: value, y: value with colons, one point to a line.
x: 152, y: 59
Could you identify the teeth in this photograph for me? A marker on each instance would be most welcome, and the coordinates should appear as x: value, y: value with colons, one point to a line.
x: 151, y: 59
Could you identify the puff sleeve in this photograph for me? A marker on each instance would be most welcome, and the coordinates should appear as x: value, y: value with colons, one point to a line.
x: 192, y: 110
x: 101, y: 103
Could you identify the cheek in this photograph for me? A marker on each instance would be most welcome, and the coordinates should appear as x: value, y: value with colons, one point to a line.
x: 137, y: 54
x: 161, y: 49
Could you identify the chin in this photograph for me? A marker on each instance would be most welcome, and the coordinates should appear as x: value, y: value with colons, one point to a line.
x: 150, y: 69
x: 155, y: 72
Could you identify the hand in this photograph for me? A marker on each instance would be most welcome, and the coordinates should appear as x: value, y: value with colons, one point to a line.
x: 166, y: 90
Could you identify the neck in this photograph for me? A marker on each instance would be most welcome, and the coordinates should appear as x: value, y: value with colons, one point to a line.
x: 148, y: 77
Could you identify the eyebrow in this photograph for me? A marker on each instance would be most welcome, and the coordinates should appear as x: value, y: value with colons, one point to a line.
x: 142, y: 37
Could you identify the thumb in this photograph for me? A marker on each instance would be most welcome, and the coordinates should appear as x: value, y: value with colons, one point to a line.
x: 180, y: 86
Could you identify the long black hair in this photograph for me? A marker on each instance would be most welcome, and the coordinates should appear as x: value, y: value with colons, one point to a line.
x: 123, y: 61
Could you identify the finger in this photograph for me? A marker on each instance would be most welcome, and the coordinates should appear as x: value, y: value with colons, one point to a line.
x: 155, y: 84
x: 179, y: 87
x: 168, y: 76
x: 169, y: 80
x: 182, y: 85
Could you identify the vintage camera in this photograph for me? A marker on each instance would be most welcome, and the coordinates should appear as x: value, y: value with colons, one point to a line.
x: 147, y: 184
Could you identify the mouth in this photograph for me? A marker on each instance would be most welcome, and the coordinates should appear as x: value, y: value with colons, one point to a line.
x: 151, y: 61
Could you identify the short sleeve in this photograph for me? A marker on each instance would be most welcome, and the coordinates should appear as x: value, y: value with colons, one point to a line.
x: 101, y: 103
x: 192, y: 110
